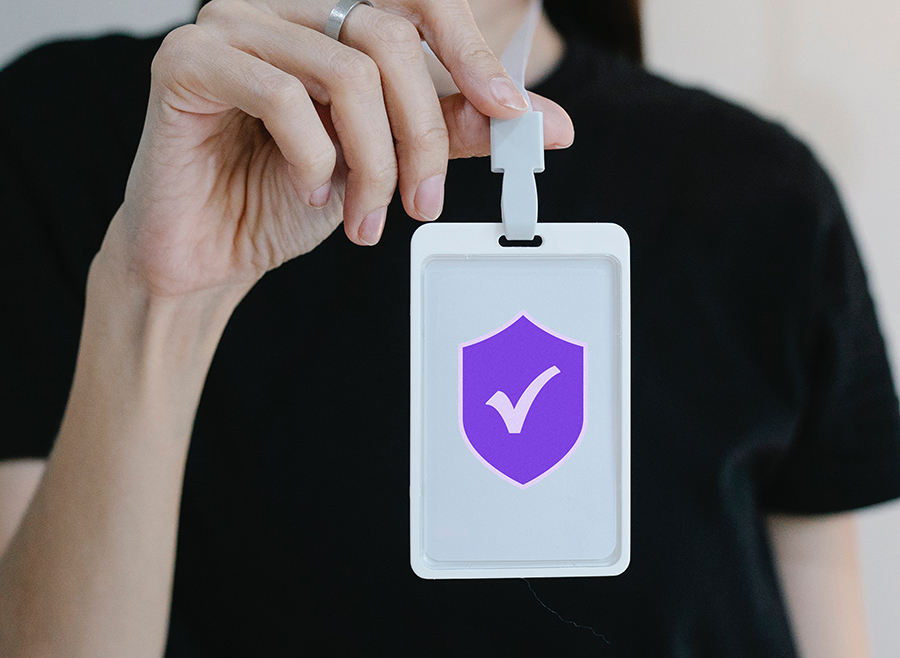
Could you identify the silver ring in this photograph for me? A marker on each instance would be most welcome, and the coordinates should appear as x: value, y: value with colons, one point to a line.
x: 339, y: 15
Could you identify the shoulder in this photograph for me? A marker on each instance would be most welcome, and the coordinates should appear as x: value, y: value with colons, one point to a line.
x: 699, y: 136
x: 662, y: 150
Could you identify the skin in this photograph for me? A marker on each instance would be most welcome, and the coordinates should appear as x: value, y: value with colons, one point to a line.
x: 262, y: 137
x: 817, y: 559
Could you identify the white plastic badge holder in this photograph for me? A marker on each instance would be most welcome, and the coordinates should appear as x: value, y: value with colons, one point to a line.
x: 520, y: 393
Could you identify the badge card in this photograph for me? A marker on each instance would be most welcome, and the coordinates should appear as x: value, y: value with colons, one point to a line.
x: 520, y: 402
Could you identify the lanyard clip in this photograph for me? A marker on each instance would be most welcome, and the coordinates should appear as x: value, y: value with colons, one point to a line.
x: 517, y: 145
x: 517, y: 151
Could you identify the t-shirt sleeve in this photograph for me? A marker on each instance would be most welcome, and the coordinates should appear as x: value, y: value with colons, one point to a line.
x: 846, y: 451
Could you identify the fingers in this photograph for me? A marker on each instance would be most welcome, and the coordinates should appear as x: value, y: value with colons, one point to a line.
x: 335, y: 75
x: 415, y: 119
x: 449, y: 28
x: 385, y: 123
x: 470, y: 131
x: 198, y: 74
x: 391, y: 35
x: 422, y: 143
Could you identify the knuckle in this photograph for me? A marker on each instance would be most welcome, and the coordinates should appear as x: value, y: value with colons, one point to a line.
x: 396, y: 31
x: 430, y: 138
x: 281, y: 91
x: 218, y: 9
x: 383, y: 175
x: 477, y: 52
x: 353, y: 68
x: 178, y: 47
x: 223, y: 19
x: 318, y: 163
x: 179, y: 39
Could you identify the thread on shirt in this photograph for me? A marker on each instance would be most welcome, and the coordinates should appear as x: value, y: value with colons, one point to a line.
x: 563, y: 619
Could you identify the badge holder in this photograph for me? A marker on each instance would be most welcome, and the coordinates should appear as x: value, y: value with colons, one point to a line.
x: 520, y: 384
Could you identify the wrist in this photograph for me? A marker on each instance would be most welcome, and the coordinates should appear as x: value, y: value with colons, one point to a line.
x: 156, y: 341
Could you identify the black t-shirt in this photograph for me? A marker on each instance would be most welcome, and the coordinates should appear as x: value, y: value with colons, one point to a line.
x: 760, y: 380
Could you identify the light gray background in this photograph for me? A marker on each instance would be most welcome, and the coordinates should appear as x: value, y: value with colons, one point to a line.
x: 829, y: 69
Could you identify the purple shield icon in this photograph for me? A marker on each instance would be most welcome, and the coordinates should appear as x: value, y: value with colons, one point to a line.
x: 522, y: 399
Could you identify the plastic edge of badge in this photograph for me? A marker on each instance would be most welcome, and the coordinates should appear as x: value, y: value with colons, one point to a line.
x: 482, y: 239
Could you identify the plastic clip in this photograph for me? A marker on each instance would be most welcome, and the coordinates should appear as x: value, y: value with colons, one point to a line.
x: 517, y: 145
x: 517, y: 151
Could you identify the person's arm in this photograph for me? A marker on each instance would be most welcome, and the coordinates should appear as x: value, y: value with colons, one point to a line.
x: 19, y: 479
x: 262, y: 136
x: 817, y: 559
x: 89, y: 572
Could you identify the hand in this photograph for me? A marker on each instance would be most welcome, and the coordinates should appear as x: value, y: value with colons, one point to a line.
x: 263, y: 134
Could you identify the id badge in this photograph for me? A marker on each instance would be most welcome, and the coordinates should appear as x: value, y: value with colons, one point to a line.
x: 520, y: 402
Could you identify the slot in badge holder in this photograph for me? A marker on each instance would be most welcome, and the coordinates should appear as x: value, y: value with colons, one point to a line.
x: 519, y: 381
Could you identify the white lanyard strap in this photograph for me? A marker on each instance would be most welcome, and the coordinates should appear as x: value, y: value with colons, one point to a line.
x: 517, y: 145
x: 515, y: 57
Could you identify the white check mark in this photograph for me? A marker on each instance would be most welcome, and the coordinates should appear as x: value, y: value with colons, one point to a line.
x: 514, y: 417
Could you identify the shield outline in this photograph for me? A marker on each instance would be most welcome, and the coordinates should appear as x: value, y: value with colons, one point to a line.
x: 584, y: 402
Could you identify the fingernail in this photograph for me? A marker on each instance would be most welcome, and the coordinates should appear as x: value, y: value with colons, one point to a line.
x: 320, y: 197
x: 430, y: 197
x: 505, y: 93
x: 372, y: 226
x: 561, y: 146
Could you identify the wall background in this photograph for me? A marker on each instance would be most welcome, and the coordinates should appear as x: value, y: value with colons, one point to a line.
x: 828, y: 69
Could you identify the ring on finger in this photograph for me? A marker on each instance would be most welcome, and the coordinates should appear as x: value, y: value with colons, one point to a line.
x: 339, y: 14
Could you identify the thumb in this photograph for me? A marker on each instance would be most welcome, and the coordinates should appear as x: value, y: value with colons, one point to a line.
x: 470, y: 131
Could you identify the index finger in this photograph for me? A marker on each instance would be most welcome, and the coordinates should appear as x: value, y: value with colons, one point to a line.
x: 450, y: 30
